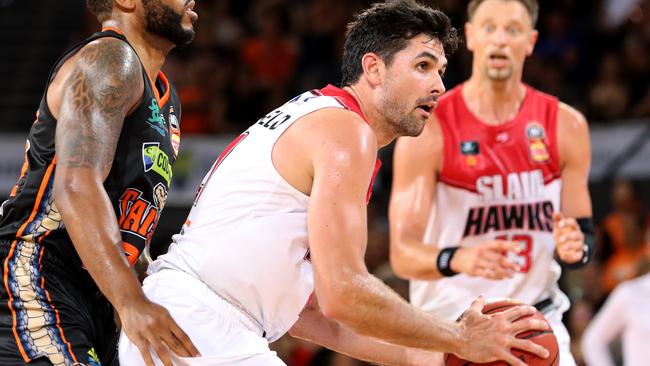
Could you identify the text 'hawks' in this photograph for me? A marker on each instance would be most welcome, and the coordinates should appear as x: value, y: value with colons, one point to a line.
x: 536, y: 215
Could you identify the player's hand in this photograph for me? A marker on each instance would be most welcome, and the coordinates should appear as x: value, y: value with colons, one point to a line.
x: 489, y: 260
x: 487, y: 338
x: 150, y: 327
x: 569, y: 239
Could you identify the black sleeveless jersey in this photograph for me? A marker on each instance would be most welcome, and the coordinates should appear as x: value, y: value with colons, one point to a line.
x: 137, y: 184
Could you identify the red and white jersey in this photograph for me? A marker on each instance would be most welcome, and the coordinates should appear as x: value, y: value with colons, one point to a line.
x: 497, y: 182
x: 246, y: 235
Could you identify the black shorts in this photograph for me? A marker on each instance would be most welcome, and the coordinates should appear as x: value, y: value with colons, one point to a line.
x: 51, y: 313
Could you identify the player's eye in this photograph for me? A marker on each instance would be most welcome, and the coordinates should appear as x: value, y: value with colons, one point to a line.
x: 513, y: 31
x: 489, y: 28
x: 423, y: 66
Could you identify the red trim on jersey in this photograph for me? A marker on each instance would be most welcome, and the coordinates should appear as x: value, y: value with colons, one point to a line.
x: 344, y: 98
x: 473, y: 148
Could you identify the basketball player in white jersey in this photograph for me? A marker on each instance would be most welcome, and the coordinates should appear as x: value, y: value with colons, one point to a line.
x: 499, y: 195
x: 280, y: 220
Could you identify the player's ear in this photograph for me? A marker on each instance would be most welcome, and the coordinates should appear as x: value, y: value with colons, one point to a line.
x: 469, y: 36
x: 373, y: 68
x: 126, y: 5
x: 532, y: 40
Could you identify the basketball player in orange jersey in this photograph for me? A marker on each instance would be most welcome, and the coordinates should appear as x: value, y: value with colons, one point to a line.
x: 95, y: 179
x: 280, y: 220
x: 494, y: 193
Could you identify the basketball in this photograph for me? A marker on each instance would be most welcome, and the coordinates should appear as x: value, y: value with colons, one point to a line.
x: 545, y: 338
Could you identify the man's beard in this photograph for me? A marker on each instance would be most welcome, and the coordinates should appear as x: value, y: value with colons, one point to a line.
x: 403, y: 123
x: 498, y: 75
x: 163, y: 21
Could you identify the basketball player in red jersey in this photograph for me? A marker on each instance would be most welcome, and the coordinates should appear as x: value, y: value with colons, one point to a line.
x: 95, y: 179
x: 493, y: 194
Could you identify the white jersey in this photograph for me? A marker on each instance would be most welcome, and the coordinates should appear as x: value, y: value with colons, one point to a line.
x: 497, y: 182
x: 246, y: 236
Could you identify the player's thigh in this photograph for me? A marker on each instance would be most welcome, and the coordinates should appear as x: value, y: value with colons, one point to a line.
x: 563, y: 339
x: 218, y: 330
x: 46, y: 315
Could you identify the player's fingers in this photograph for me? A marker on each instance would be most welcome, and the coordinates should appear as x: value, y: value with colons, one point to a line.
x: 570, y: 222
x: 174, y: 344
x: 185, y: 341
x: 531, y: 347
x: 505, y: 263
x: 477, y: 304
x: 144, y: 352
x: 505, y: 246
x: 162, y: 352
x: 511, y: 359
x: 523, y: 325
x: 516, y: 312
x: 557, y: 216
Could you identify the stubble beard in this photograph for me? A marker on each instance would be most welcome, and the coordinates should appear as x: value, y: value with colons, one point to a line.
x: 498, y: 74
x: 163, y: 21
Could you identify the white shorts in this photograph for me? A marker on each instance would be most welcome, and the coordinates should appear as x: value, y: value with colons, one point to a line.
x: 563, y: 339
x: 222, y: 333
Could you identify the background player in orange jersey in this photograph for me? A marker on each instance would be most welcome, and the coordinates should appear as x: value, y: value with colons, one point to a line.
x: 95, y: 179
x: 499, y: 193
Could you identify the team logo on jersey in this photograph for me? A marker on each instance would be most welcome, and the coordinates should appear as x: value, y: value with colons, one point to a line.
x: 153, y: 158
x: 470, y: 150
x: 138, y: 217
x: 160, y: 196
x: 174, y: 128
x: 93, y: 359
x: 536, y: 136
x: 156, y: 120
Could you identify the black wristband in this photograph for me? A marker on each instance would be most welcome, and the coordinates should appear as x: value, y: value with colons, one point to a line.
x: 444, y: 261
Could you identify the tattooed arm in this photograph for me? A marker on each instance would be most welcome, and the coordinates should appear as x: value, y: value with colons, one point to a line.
x: 95, y: 91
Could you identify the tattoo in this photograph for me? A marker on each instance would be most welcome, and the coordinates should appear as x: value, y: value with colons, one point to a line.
x: 99, y: 92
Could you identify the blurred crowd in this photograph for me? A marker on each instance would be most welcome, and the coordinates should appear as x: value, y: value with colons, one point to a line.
x: 249, y: 56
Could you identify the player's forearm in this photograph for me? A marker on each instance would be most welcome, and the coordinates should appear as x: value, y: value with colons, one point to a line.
x: 314, y: 327
x: 364, y: 303
x: 91, y: 223
x: 414, y: 260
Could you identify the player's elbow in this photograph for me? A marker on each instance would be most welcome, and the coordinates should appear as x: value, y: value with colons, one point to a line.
x: 336, y: 299
x: 69, y: 187
x: 402, y: 265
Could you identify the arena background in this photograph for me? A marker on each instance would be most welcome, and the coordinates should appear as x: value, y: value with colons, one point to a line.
x: 249, y: 56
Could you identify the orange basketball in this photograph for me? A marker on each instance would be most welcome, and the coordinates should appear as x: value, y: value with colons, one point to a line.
x: 545, y: 338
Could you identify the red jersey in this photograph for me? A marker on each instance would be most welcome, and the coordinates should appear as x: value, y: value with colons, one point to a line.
x: 497, y: 182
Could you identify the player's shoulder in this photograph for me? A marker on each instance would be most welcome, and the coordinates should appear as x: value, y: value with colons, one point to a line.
x: 110, y: 55
x: 570, y: 119
x: 337, y: 126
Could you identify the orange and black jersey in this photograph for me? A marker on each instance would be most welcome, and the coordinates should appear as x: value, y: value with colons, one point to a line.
x: 137, y: 184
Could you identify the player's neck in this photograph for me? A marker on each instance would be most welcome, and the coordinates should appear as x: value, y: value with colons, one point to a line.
x: 152, y: 51
x: 374, y: 117
x: 494, y: 102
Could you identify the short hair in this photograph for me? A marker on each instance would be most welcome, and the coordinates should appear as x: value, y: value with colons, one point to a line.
x: 532, y: 6
x: 385, y: 29
x: 101, y: 8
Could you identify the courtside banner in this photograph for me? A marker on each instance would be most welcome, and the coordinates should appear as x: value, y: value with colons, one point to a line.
x: 12, y: 157
x: 622, y: 146
x: 194, y: 160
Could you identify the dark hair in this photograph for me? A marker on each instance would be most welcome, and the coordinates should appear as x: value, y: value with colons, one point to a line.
x: 385, y: 29
x: 531, y: 5
x: 101, y: 8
